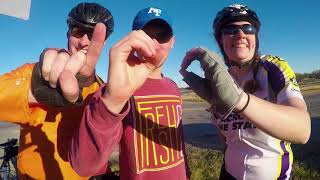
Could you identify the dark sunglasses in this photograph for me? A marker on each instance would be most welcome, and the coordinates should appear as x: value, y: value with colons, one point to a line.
x: 233, y: 29
x: 162, y: 33
x: 80, y: 32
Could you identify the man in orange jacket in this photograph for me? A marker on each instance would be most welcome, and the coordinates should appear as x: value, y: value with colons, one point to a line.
x: 28, y: 96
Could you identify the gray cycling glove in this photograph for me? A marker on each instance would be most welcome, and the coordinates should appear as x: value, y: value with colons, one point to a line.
x: 225, y: 92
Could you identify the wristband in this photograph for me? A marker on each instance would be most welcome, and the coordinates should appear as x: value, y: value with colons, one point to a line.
x: 246, y: 105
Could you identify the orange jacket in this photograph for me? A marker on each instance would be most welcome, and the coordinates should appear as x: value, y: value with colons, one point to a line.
x: 44, y: 132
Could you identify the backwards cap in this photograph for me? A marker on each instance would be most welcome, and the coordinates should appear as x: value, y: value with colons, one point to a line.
x: 148, y: 14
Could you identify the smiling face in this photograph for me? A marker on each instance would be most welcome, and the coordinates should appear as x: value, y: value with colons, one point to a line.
x: 239, y: 47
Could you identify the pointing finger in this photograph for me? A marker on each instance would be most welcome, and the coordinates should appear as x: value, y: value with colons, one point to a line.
x: 95, y: 48
x: 47, y: 61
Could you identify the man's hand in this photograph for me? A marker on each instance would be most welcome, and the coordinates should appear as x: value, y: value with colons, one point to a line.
x: 127, y: 72
x: 72, y: 71
x: 225, y: 92
x: 82, y: 64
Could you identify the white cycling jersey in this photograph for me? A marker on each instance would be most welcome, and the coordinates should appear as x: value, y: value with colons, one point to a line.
x: 251, y: 153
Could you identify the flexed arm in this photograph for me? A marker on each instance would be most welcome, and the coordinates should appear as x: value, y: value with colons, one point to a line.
x: 287, y: 121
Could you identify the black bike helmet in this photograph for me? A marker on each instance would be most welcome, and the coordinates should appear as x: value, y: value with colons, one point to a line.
x: 87, y: 15
x: 232, y: 13
x: 235, y: 12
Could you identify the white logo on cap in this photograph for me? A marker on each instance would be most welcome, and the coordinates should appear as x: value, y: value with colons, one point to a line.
x: 237, y: 6
x: 157, y: 12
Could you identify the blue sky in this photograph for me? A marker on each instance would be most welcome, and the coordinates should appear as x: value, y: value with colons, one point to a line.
x: 290, y: 29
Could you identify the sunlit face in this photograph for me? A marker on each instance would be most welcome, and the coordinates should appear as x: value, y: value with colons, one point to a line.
x: 164, y: 41
x: 78, y: 40
x: 239, y: 47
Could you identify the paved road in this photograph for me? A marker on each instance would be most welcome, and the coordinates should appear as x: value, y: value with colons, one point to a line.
x: 313, y: 103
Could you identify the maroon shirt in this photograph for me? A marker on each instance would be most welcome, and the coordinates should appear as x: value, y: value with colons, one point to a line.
x: 149, y: 131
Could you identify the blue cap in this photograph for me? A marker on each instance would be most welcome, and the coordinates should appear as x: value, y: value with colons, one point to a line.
x: 148, y: 14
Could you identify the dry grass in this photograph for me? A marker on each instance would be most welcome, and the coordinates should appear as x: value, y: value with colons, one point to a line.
x: 307, y: 87
x: 192, y: 97
x: 310, y: 89
x: 310, y: 86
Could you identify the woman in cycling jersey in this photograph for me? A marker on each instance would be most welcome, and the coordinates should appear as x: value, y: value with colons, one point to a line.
x: 256, y: 103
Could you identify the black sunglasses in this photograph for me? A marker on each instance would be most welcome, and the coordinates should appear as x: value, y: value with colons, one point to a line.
x: 159, y: 31
x: 233, y: 29
x: 79, y: 32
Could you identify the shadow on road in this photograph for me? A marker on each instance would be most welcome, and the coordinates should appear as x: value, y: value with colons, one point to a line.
x: 308, y: 155
x: 202, y: 135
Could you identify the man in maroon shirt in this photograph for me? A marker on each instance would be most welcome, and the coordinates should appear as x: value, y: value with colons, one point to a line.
x: 139, y: 108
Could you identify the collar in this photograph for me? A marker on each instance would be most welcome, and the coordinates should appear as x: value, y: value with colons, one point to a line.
x: 241, y: 65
